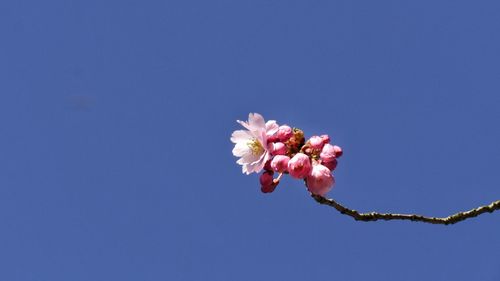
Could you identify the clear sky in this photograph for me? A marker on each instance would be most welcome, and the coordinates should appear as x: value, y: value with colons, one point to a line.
x: 116, y: 164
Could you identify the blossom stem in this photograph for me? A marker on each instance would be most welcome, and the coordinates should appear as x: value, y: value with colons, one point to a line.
x: 374, y: 216
x: 277, y: 180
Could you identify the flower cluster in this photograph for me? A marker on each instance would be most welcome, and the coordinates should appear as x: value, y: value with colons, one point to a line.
x: 268, y: 147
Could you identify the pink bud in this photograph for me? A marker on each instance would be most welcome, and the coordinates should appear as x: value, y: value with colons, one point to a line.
x: 273, y: 138
x: 308, y: 151
x: 280, y: 163
x: 267, y: 183
x: 328, y: 153
x: 267, y: 166
x: 277, y: 148
x: 299, y: 166
x: 338, y: 151
x: 316, y: 142
x: 320, y: 181
x: 266, y: 178
x: 268, y: 188
x: 284, y: 133
x: 330, y: 165
x: 326, y: 139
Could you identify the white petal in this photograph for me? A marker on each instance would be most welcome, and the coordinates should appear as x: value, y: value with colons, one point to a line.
x: 258, y: 165
x: 244, y: 169
x: 240, y: 136
x: 250, y: 168
x: 244, y: 124
x: 241, y: 149
x: 248, y: 158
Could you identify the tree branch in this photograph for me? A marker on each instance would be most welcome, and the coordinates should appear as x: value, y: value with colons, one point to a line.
x: 373, y: 216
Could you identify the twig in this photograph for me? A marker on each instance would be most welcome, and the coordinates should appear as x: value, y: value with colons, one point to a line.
x: 373, y: 216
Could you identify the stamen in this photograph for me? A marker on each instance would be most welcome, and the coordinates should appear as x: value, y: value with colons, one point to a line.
x: 255, y: 146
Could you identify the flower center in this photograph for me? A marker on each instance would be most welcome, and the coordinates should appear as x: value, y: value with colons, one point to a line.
x: 255, y: 146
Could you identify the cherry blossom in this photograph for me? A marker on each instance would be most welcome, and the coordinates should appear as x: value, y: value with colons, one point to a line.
x: 283, y: 150
x: 251, y: 144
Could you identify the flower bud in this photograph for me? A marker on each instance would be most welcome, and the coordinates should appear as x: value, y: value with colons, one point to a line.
x: 266, y: 178
x: 268, y: 188
x: 320, y: 180
x: 284, y: 133
x: 326, y: 139
x: 277, y: 148
x: 338, y: 151
x: 299, y: 166
x: 267, y: 166
x: 307, y: 150
x: 273, y: 138
x: 330, y: 165
x: 280, y: 163
x: 328, y: 153
x: 267, y: 182
x: 316, y: 142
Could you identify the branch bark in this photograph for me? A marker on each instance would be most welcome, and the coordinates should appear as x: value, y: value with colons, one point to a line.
x: 374, y: 216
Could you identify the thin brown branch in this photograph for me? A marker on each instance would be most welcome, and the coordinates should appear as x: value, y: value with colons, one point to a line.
x: 373, y: 216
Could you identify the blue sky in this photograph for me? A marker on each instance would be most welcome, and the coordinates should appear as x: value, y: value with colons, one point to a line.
x: 116, y: 116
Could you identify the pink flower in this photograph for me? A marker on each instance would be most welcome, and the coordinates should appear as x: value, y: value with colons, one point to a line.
x: 284, y: 133
x: 277, y: 148
x: 299, y: 166
x: 251, y: 144
x: 320, y: 180
x: 316, y: 142
x: 280, y: 163
x: 328, y: 153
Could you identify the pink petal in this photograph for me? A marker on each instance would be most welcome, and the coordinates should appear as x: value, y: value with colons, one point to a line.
x: 256, y: 121
x: 244, y: 124
x: 248, y: 159
x: 258, y: 165
x: 271, y: 127
x: 262, y: 163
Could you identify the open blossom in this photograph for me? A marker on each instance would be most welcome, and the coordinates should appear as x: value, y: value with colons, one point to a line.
x: 251, y: 144
x: 320, y: 180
